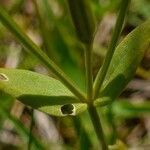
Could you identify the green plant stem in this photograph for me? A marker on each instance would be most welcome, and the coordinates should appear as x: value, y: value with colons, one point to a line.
x: 88, y: 66
x: 30, y: 132
x: 118, y: 27
x: 44, y: 33
x: 85, y: 141
x: 35, y: 50
x: 97, y: 126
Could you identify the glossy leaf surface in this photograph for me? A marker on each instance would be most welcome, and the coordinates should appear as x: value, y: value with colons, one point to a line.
x: 40, y: 92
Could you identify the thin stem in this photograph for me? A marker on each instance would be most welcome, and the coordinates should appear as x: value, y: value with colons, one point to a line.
x: 30, y: 132
x: 44, y: 33
x: 118, y: 27
x: 111, y: 121
x: 84, y: 140
x: 88, y: 66
x: 35, y: 50
x: 97, y: 126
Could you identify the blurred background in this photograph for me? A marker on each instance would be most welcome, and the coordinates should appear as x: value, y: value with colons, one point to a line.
x: 48, y: 24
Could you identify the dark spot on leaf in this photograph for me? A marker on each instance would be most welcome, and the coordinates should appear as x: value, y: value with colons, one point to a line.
x: 67, y: 109
x: 3, y: 77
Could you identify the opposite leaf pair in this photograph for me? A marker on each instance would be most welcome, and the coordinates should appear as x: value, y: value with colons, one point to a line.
x: 51, y: 96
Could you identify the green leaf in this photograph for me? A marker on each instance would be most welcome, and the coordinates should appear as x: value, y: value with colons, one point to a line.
x: 129, y: 109
x: 126, y: 58
x: 83, y: 19
x: 40, y: 92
